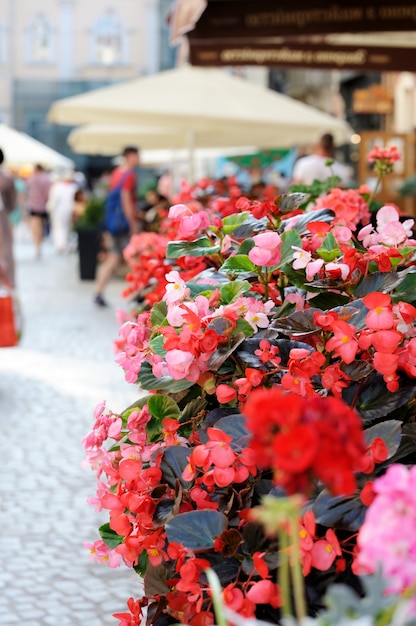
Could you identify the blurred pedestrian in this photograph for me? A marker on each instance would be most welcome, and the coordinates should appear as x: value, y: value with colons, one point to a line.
x: 7, y: 205
x: 60, y: 207
x: 165, y: 184
x: 37, y: 193
x: 80, y: 204
x: 122, y: 179
x: 321, y: 164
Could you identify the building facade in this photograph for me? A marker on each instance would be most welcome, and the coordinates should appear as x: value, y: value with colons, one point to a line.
x: 51, y: 49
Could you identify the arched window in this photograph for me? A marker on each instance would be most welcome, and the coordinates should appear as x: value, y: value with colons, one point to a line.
x: 109, y: 41
x: 40, y: 41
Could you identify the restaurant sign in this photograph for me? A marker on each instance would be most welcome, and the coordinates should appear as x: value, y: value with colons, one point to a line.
x: 292, y: 54
x: 268, y: 18
x: 296, y: 34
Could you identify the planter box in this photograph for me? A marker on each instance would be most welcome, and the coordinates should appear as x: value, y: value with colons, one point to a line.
x: 88, y: 245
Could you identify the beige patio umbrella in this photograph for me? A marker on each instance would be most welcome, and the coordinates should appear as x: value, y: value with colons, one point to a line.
x: 20, y: 149
x: 202, y: 107
x: 109, y: 139
x: 190, y: 99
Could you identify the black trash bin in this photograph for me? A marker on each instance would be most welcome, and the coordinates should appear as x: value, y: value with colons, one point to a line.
x: 88, y: 246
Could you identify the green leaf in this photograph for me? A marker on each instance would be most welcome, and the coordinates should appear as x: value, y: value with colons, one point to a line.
x: 250, y: 227
x: 339, y: 511
x: 174, y: 461
x: 236, y: 427
x: 380, y: 281
x: 110, y: 538
x: 148, y: 381
x: 326, y: 301
x: 242, y: 326
x: 231, y: 222
x: 296, y: 277
x: 158, y: 314
x: 291, y: 201
x: 197, y: 289
x: 246, y: 246
x: 156, y: 345
x: 390, y: 432
x: 302, y: 221
x: 192, y: 408
x: 299, y: 323
x: 406, y: 291
x: 329, y: 249
x: 200, y: 247
x: 238, y: 264
x: 232, y: 290
x: 196, y: 530
x: 222, y: 353
x: 289, y: 238
x: 137, y: 404
x: 375, y: 400
x: 142, y: 564
x: 162, y: 407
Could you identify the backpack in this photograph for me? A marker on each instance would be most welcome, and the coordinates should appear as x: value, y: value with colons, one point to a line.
x: 114, y: 219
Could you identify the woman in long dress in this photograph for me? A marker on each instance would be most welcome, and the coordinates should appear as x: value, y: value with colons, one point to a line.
x: 7, y: 204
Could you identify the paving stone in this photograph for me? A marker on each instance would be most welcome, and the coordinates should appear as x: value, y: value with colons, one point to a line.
x: 49, y: 386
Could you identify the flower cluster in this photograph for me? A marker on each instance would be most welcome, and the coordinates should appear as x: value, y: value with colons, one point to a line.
x: 277, y: 346
x: 305, y: 440
x: 387, y: 539
x: 384, y: 159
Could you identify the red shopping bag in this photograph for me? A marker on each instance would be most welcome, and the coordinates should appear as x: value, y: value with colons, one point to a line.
x: 8, y: 332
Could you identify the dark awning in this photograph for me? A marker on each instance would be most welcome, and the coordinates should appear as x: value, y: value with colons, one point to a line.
x: 366, y: 35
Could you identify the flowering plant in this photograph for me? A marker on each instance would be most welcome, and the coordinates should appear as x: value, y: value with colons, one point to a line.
x: 278, y: 350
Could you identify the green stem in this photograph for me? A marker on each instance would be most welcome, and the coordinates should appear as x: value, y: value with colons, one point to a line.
x: 385, y: 619
x: 216, y: 590
x: 284, y: 573
x: 373, y: 193
x: 297, y: 576
x: 266, y: 286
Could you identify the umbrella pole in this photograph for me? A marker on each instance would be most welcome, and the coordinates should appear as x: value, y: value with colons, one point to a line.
x: 191, y: 156
x: 175, y: 171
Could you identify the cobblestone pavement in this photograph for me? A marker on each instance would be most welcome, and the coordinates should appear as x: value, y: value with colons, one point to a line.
x: 49, y: 386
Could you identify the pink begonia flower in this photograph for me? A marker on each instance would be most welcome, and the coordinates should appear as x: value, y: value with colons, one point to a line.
x: 138, y: 418
x: 393, y: 234
x: 159, y: 366
x: 202, y: 304
x: 297, y: 299
x: 115, y: 428
x: 192, y: 225
x: 313, y: 268
x: 342, y: 234
x: 302, y: 258
x: 268, y: 240
x: 388, y: 536
x: 368, y: 236
x: 178, y: 210
x: 101, y: 553
x: 226, y: 244
x: 182, y: 364
x: 99, y: 409
x: 257, y: 312
x: 267, y: 251
x: 128, y: 451
x: 257, y: 320
x: 175, y: 314
x: 260, y: 256
x: 176, y: 288
x: 385, y: 215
